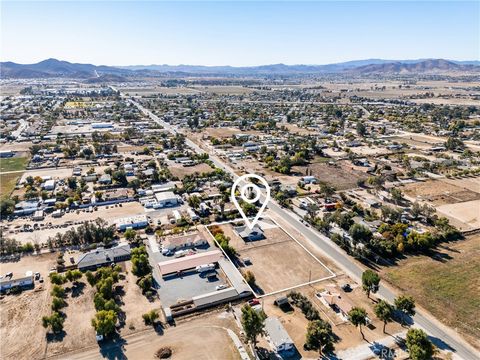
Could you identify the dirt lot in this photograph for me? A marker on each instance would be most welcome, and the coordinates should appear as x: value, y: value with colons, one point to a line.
x: 273, y: 255
x: 135, y: 304
x: 447, y: 285
x: 181, y: 171
x: 21, y: 330
x: 464, y: 215
x: 441, y: 192
x: 342, y: 176
x: 202, y: 337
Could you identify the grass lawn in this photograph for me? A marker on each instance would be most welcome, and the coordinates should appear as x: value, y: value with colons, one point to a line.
x: 449, y: 289
x: 8, y: 182
x: 13, y: 164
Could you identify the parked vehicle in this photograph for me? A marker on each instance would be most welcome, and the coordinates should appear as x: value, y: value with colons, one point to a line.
x: 205, y: 268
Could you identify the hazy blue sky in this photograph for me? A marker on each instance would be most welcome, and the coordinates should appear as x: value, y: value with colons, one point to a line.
x: 237, y: 33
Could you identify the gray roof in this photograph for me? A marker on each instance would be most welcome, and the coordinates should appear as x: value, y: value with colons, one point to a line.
x: 101, y: 256
x: 276, y: 331
x: 245, y: 231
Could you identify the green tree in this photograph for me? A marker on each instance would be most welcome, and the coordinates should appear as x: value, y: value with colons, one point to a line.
x: 54, y: 321
x: 56, y: 278
x: 58, y: 291
x: 384, y: 311
x: 249, y: 277
x: 319, y: 337
x: 253, y: 323
x: 104, y: 322
x: 358, y: 317
x: 370, y: 281
x: 418, y: 345
x: 360, y: 233
x: 130, y: 234
x: 150, y: 317
x: 406, y: 305
x: 58, y: 303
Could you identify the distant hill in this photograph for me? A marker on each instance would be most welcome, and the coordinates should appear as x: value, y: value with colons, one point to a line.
x: 422, y: 67
x: 93, y: 73
x: 55, y: 68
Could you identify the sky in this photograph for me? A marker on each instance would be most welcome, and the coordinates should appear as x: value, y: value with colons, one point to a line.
x: 237, y: 33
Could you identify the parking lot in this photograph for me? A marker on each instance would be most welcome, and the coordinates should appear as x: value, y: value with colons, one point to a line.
x: 174, y: 289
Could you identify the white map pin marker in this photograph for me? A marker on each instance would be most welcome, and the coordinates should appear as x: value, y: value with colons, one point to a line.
x: 247, y: 189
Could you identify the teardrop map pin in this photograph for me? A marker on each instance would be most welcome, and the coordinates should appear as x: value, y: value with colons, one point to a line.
x: 250, y: 193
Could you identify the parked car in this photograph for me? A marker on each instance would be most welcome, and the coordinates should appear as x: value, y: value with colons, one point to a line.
x: 253, y: 302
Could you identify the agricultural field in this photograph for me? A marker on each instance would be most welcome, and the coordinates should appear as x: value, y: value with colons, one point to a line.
x: 446, y: 284
x: 13, y: 164
x: 8, y: 182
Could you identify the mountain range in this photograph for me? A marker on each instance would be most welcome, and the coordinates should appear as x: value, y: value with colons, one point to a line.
x: 56, y: 68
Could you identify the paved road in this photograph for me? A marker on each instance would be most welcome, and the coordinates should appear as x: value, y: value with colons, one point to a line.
x: 442, y: 336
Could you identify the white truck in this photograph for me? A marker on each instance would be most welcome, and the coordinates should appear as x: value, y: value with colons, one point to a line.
x: 205, y: 268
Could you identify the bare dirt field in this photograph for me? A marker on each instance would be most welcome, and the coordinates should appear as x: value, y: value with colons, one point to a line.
x: 342, y: 176
x: 220, y: 90
x: 181, y: 171
x: 273, y: 255
x: 441, y: 192
x: 135, y: 304
x: 202, y: 337
x: 21, y: 330
x: 227, y: 132
x: 447, y: 285
x: 464, y: 215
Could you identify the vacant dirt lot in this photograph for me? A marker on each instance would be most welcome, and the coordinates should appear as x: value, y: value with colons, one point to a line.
x: 447, y: 285
x: 273, y: 255
x: 181, y: 171
x: 464, y: 215
x: 135, y: 304
x: 21, y: 330
x: 342, y: 176
x: 440, y: 192
x: 201, y: 337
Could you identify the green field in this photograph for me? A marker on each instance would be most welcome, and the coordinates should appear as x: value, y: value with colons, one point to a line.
x: 8, y: 182
x: 13, y: 164
x: 449, y: 289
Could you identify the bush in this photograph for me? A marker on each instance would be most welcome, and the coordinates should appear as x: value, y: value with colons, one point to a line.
x: 150, y: 317
x: 164, y: 353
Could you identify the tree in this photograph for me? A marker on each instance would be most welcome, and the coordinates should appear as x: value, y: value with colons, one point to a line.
x: 146, y: 283
x: 396, y: 194
x: 361, y: 129
x: 56, y: 278
x: 249, y: 278
x: 150, y: 317
x: 91, y: 278
x: 73, y: 275
x: 253, y: 323
x: 406, y: 305
x: 130, y: 234
x: 58, y: 303
x: 55, y: 321
x: 319, y: 336
x: 360, y: 233
x: 57, y: 291
x: 384, y: 311
x: 358, y: 317
x: 418, y: 345
x: 370, y: 281
x: 104, y: 322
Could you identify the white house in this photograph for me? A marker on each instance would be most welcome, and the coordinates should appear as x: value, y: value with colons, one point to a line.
x: 49, y: 185
x: 133, y: 222
x: 167, y: 199
x: 279, y: 337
